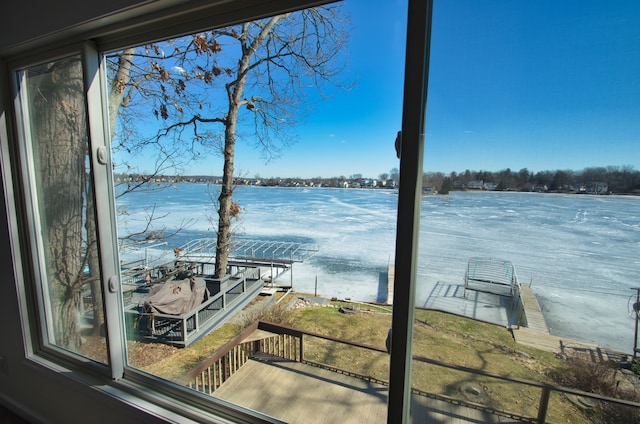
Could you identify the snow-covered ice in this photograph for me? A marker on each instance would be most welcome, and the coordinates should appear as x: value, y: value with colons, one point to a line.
x: 579, y: 253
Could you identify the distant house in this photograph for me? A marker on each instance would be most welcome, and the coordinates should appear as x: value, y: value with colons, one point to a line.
x: 427, y: 190
x: 475, y: 185
x: 527, y: 187
x: 597, y: 188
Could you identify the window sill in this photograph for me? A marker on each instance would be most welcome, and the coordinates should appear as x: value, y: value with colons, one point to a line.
x: 140, y: 395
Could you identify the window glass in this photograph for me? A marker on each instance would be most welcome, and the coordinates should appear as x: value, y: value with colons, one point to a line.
x: 260, y: 158
x: 54, y: 105
x: 531, y: 153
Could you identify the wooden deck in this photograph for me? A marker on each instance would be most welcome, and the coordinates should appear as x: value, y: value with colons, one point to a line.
x: 299, y: 393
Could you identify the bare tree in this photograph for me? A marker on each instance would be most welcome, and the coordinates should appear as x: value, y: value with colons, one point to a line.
x: 201, y: 98
x: 208, y: 89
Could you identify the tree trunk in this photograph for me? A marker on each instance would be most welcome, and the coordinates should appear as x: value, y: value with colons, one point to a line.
x: 118, y: 87
x: 59, y: 134
x: 225, y: 198
x: 235, y: 93
x: 93, y: 262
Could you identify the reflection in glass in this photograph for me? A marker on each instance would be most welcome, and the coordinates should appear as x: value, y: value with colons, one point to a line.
x: 58, y: 132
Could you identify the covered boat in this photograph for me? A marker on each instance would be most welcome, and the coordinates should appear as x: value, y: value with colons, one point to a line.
x: 175, y: 297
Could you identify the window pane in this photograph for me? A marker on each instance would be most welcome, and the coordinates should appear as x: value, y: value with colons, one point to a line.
x: 71, y: 290
x: 307, y: 118
x: 531, y: 149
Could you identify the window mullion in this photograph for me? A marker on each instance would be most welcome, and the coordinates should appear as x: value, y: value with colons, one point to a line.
x: 100, y: 165
x: 411, y: 150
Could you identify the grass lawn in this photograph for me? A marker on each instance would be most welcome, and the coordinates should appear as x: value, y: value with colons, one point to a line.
x: 444, y: 337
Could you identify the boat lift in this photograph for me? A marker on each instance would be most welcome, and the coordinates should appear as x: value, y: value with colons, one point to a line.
x: 278, y: 255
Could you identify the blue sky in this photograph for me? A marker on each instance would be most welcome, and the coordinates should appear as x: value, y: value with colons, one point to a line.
x: 354, y: 131
x: 534, y: 84
x: 542, y: 85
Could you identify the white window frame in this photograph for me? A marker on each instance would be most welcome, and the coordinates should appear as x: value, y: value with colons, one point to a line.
x: 34, y: 253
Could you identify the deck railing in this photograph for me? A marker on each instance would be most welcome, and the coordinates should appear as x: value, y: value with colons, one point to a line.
x: 209, y: 375
x: 289, y: 343
x: 281, y: 341
x: 182, y: 330
x: 216, y: 369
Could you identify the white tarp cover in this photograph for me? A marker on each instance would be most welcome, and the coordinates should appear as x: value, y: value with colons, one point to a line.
x: 175, y: 297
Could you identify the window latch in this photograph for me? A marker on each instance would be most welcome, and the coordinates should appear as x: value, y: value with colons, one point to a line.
x: 113, y: 284
x: 102, y: 155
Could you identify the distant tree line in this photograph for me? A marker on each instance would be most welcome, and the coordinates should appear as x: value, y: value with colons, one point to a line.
x: 611, y: 179
x: 384, y: 180
x: 614, y: 179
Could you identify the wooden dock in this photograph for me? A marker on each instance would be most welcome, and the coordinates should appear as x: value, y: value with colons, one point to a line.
x: 533, y: 312
x: 537, y: 334
x: 391, y: 272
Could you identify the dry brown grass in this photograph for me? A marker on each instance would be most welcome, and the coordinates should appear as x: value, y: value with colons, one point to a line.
x: 178, y: 362
x: 601, y: 378
x: 142, y: 355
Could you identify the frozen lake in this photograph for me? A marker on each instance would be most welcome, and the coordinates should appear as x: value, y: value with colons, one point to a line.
x: 579, y: 253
